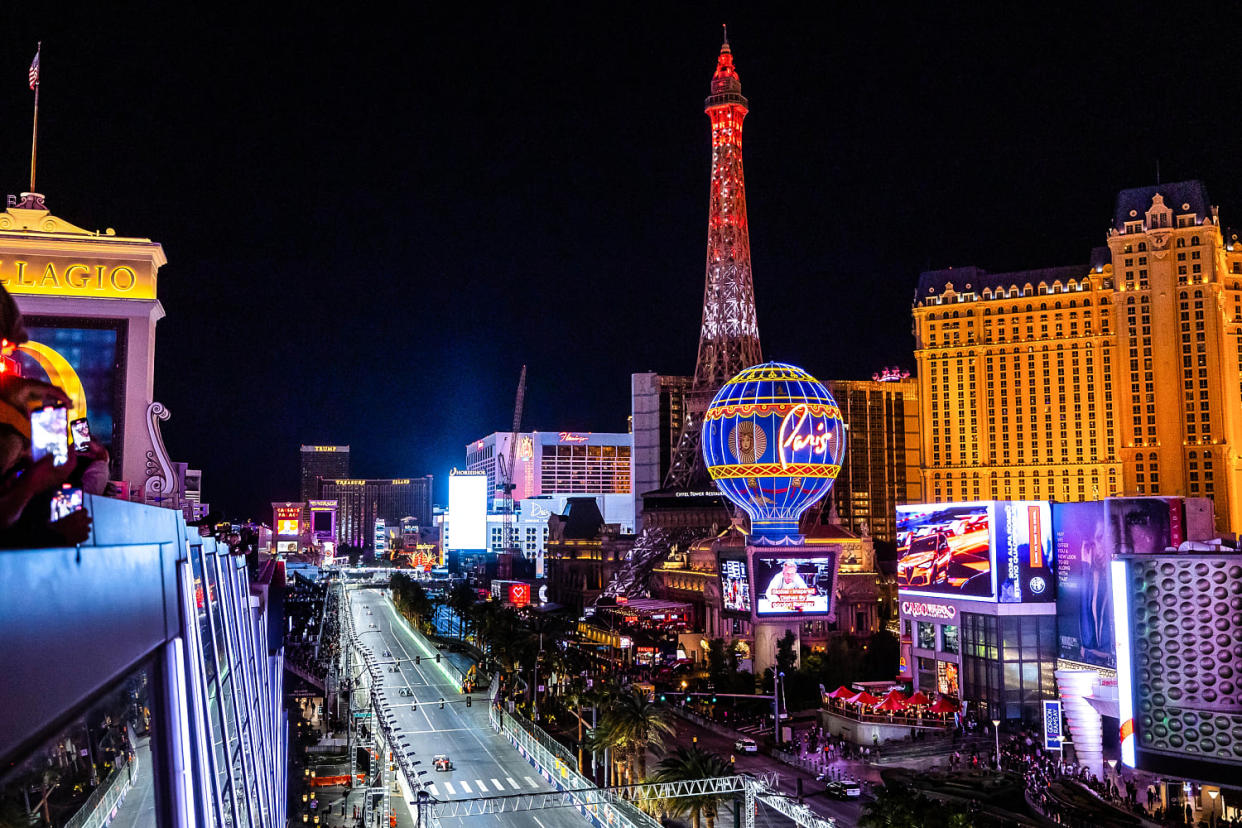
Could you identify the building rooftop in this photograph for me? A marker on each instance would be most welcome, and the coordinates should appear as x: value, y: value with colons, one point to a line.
x: 1192, y: 194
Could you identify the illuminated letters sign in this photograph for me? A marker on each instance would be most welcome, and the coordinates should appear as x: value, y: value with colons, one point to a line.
x: 921, y: 609
x: 1052, y: 724
x: 573, y: 437
x: 92, y: 278
x: 798, y: 433
x: 519, y: 594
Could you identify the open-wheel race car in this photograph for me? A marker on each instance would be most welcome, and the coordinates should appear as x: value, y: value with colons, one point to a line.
x: 442, y: 762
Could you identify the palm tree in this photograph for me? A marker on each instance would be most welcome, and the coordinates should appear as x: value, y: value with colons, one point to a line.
x: 460, y: 600
x: 631, y: 724
x: 684, y: 764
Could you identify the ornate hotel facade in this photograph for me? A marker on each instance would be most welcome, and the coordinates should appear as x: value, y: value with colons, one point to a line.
x: 1120, y: 376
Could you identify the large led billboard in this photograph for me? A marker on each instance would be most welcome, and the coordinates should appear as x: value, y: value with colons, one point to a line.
x: 986, y: 551
x: 734, y: 587
x: 796, y: 582
x: 467, y: 516
x: 1084, y: 594
x: 945, y: 549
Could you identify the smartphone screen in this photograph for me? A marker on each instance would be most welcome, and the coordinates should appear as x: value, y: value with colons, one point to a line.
x: 49, y: 434
x: 80, y: 430
x: 65, y: 502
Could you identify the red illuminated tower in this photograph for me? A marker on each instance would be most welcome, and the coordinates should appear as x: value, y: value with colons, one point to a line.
x: 729, y: 336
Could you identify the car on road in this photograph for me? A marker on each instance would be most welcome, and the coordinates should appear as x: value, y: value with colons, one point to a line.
x: 440, y: 646
x: 443, y: 763
x: 843, y: 789
x: 746, y: 745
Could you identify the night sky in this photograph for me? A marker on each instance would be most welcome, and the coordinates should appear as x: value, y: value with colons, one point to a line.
x: 374, y: 216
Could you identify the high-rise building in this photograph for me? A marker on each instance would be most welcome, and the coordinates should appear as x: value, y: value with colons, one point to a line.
x: 359, y: 503
x: 729, y: 334
x: 1121, y: 375
x: 881, y: 466
x: 657, y: 413
x: 322, y: 461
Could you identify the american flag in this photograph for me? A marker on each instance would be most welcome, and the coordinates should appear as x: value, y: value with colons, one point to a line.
x: 34, y: 70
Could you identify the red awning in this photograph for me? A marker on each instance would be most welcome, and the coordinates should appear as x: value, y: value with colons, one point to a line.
x: 841, y: 692
x: 895, y: 700
x: 863, y: 698
x: 919, y: 699
x: 944, y: 704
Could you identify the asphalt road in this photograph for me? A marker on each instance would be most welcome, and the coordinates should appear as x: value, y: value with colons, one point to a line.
x: 484, y: 763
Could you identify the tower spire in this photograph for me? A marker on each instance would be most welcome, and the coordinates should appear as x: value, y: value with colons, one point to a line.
x: 729, y: 334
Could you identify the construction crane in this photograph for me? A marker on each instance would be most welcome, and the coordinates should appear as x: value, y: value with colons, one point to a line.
x: 507, y: 470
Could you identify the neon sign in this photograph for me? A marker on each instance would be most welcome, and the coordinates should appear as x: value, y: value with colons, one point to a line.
x: 573, y: 437
x: 891, y: 375
x: 795, y: 437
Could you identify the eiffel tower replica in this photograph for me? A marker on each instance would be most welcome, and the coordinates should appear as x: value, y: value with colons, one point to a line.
x: 688, y: 507
x: 729, y: 336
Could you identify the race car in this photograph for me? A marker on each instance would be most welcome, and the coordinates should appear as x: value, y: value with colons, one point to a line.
x: 442, y: 762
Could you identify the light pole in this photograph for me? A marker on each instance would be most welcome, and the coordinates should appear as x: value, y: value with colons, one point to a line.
x: 996, y: 731
x: 1112, y: 765
x: 1212, y: 795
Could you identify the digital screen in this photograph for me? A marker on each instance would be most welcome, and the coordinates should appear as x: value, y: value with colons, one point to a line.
x: 1144, y: 525
x: 467, y: 511
x: 793, y: 586
x: 734, y: 586
x: 945, y: 549
x: 286, y: 527
x: 322, y: 522
x: 96, y: 375
x: 519, y: 594
x: 1024, y: 551
x: 1084, y: 593
x: 286, y: 547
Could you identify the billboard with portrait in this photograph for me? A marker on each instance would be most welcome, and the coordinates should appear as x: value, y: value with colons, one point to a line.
x: 946, y: 549
x: 93, y: 368
x: 1144, y: 525
x: 734, y: 587
x: 796, y: 582
x: 1084, y: 595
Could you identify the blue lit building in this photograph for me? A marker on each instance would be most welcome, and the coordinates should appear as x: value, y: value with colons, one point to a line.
x: 143, y: 674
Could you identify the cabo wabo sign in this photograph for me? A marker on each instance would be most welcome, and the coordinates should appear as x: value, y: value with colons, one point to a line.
x: 91, y: 278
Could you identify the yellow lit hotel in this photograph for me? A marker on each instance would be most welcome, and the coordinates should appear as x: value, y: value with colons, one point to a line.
x: 1121, y: 376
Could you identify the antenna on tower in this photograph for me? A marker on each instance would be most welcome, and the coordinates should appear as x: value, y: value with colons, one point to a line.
x: 1157, y: 171
x: 725, y: 27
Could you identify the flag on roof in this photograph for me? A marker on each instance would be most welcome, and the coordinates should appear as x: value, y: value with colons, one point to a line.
x: 34, y: 68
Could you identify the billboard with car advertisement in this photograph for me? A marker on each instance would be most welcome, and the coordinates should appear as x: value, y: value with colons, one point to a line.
x: 984, y: 551
x: 793, y: 582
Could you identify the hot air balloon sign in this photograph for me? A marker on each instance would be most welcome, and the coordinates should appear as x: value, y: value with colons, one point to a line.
x: 773, y: 439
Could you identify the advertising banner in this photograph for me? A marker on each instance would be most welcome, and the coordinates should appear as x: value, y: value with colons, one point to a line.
x: 789, y: 585
x: 1084, y: 595
x: 946, y: 549
x: 1144, y: 525
x: 735, y: 586
x: 467, y: 517
x: 1024, y: 552
x: 1052, y: 724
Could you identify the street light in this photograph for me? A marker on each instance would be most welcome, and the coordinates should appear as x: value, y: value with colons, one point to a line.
x: 996, y: 731
x: 1212, y: 795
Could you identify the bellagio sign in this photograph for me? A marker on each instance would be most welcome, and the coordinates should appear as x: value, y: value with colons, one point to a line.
x: 56, y: 276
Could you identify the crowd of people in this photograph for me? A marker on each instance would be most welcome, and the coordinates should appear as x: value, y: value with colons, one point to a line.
x: 1024, y: 755
x: 27, y: 486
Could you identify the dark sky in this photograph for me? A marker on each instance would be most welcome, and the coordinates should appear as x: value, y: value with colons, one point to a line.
x: 373, y: 216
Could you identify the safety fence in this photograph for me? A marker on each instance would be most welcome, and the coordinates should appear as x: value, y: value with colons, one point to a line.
x: 101, y: 806
x: 557, y: 764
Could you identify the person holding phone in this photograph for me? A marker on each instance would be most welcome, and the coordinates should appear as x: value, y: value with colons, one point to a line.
x: 27, y: 484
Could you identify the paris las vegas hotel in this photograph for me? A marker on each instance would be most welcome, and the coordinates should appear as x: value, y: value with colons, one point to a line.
x: 1122, y: 375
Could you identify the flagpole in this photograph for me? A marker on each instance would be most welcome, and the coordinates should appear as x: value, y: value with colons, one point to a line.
x: 34, y: 136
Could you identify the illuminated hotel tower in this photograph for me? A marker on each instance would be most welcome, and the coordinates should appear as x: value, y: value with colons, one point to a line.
x: 1122, y: 376
x: 729, y: 336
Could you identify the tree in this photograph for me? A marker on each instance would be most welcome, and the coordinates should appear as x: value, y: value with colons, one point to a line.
x: 630, y: 725
x: 881, y: 656
x: 460, y: 600
x: 684, y: 764
x: 786, y: 655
